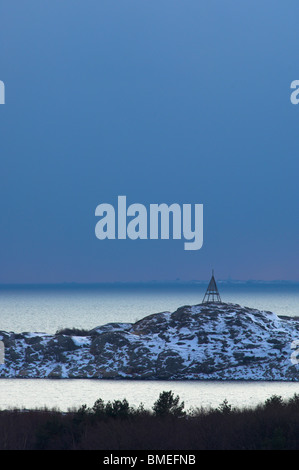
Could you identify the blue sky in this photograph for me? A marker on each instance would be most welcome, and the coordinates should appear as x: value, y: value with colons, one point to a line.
x: 161, y: 101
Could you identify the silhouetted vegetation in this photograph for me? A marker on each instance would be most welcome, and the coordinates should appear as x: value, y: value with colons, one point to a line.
x: 118, y: 426
x: 73, y: 332
x: 167, y: 405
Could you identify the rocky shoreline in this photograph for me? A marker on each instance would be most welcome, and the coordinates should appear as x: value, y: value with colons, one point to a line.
x: 201, y: 342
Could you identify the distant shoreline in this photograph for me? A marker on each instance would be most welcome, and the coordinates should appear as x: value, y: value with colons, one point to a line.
x: 145, y: 284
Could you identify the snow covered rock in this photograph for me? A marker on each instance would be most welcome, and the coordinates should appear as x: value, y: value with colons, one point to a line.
x: 205, y: 341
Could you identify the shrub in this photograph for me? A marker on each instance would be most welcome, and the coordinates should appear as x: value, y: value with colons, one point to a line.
x: 73, y: 332
x: 118, y: 409
x: 167, y: 405
x: 275, y: 401
x: 225, y: 407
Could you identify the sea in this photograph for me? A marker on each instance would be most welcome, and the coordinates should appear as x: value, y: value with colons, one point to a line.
x: 49, y: 308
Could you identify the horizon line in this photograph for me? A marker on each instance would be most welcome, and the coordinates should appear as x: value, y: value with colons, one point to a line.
x: 153, y: 281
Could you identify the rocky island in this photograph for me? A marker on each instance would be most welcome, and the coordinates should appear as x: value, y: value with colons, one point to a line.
x: 217, y: 341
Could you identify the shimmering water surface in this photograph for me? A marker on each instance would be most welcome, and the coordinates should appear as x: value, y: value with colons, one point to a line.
x: 69, y: 393
x: 49, y: 309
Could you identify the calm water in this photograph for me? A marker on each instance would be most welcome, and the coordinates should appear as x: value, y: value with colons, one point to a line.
x: 49, y: 309
x: 65, y: 394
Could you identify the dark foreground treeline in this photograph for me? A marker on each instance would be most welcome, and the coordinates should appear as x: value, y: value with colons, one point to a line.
x: 117, y: 426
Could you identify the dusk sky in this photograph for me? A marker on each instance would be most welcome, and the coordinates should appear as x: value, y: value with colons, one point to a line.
x: 163, y: 101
